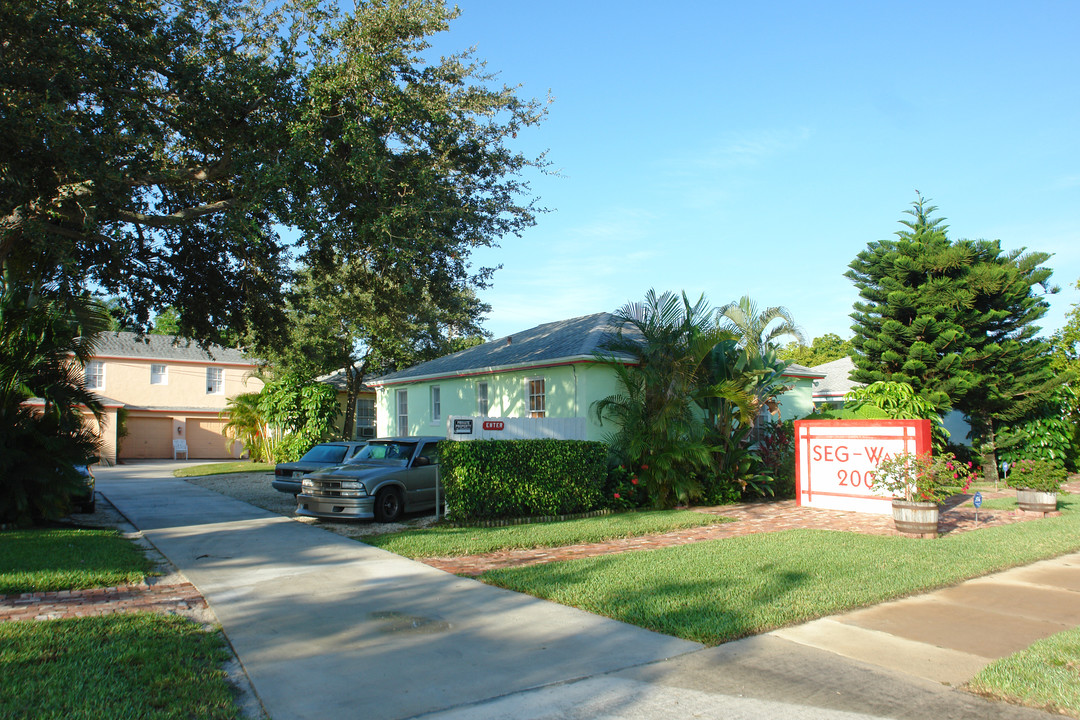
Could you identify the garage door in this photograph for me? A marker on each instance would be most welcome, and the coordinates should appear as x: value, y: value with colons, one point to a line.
x: 147, y: 438
x: 206, y: 439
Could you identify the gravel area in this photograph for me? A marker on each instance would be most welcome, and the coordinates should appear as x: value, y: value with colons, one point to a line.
x: 255, y: 488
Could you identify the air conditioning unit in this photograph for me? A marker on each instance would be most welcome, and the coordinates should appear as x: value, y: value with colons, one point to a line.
x: 365, y: 432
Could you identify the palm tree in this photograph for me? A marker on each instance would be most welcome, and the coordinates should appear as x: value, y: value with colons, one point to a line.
x: 658, y: 356
x: 247, y: 424
x: 44, y: 341
x: 751, y: 327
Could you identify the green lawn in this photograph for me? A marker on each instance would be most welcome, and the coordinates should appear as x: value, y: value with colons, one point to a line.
x: 720, y: 590
x: 454, y: 541
x: 118, y: 666
x: 1046, y: 675
x: 44, y: 559
x: 244, y: 466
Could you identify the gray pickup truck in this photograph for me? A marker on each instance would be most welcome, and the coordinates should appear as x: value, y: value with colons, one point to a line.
x: 389, y: 477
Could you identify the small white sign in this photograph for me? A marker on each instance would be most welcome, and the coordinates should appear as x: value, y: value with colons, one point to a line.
x: 836, y: 460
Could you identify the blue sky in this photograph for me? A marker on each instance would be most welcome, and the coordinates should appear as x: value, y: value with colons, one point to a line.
x: 753, y: 148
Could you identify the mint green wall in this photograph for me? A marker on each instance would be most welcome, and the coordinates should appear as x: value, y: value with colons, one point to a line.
x: 570, y: 391
x: 799, y: 401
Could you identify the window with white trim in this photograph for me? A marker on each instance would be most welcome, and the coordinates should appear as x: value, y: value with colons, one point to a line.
x: 436, y: 404
x: 402, y: 412
x: 482, y: 406
x: 94, y: 373
x: 537, y: 401
x: 159, y: 374
x: 365, y: 418
x: 215, y: 381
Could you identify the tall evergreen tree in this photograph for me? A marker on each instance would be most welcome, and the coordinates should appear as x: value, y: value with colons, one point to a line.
x: 955, y: 320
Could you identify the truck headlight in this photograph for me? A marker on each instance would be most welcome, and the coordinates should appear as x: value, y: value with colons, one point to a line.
x: 307, y: 484
x: 353, y: 488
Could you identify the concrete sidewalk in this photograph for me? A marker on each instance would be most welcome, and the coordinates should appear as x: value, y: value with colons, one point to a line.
x: 328, y: 627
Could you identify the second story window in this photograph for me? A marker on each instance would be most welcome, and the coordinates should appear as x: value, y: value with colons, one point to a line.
x: 215, y: 381
x: 95, y: 375
x: 159, y: 374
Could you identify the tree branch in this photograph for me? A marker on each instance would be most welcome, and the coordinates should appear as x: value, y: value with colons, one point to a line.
x: 177, y: 218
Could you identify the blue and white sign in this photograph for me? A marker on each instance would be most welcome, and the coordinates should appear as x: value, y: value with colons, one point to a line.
x: 977, y: 500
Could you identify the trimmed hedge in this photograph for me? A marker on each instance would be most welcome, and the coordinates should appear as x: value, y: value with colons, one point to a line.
x: 487, y: 479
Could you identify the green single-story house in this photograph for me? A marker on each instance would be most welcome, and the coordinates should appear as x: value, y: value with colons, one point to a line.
x: 549, y: 371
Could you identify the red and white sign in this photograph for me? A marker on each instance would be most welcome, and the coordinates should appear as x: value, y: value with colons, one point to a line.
x: 835, y: 460
x: 494, y: 425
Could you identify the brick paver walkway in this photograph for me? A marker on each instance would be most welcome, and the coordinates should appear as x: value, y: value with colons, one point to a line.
x: 175, y: 598
x: 749, y: 518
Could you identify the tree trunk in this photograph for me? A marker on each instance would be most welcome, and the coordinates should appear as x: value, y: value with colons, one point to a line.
x: 989, y: 455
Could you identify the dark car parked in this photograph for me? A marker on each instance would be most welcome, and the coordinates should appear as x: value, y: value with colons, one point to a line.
x: 389, y: 477
x: 287, y: 475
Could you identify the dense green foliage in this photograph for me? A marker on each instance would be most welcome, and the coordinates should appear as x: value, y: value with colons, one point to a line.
x: 47, y: 559
x: 1039, y: 475
x: 956, y: 321
x: 721, y: 590
x: 821, y: 350
x: 300, y: 414
x: 1051, y: 434
x: 521, y: 478
x: 1043, y: 675
x: 247, y: 424
x: 154, y: 151
x: 689, y: 395
x: 43, y: 342
x: 456, y: 541
x: 659, y: 354
x: 155, y: 667
x: 776, y: 448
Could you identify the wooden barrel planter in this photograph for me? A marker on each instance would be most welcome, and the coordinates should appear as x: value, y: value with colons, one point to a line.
x: 1036, y: 501
x: 915, y: 518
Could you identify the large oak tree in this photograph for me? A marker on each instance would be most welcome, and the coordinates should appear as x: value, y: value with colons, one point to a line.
x: 155, y: 151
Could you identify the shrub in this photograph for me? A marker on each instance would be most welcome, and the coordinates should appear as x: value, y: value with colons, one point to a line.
x: 1039, y: 475
x: 623, y: 490
x: 522, y: 478
x: 776, y: 448
x: 923, y: 478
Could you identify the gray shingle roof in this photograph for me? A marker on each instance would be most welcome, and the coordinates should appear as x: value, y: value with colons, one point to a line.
x: 578, y: 337
x: 164, y: 347
x: 837, y: 380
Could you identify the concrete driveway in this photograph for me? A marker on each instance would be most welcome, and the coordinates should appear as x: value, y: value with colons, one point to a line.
x: 329, y: 627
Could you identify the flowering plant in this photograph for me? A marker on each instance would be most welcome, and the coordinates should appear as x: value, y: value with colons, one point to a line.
x: 1038, y: 475
x: 923, y: 478
x: 624, y: 490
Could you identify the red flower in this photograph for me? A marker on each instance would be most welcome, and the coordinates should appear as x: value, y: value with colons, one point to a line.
x: 617, y: 496
x: 644, y: 467
x: 633, y: 481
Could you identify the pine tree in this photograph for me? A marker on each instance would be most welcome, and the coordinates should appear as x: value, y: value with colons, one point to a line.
x: 955, y: 320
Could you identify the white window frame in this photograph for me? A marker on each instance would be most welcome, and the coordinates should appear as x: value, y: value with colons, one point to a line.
x: 483, y: 399
x: 159, y: 377
x: 436, y: 404
x: 94, y: 375
x: 215, y: 381
x: 401, y: 398
x: 536, y: 402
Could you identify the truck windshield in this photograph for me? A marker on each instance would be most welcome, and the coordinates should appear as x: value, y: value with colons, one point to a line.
x: 391, y: 453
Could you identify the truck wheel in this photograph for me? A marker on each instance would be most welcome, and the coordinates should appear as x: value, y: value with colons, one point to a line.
x: 388, y: 505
